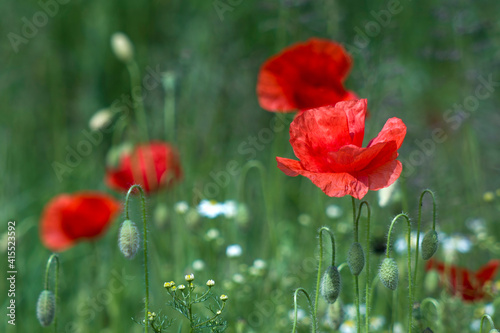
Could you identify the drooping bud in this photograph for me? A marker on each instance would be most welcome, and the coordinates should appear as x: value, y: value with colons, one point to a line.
x: 356, y: 259
x: 100, y: 120
x: 46, y: 308
x: 128, y: 239
x: 122, y: 47
x: 331, y: 284
x: 389, y: 274
x: 429, y: 244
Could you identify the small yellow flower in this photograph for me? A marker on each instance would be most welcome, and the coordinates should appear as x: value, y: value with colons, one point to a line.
x: 219, y: 312
x: 488, y: 196
x: 182, y: 287
x: 167, y: 285
x: 210, y: 283
x: 189, y: 277
x: 174, y: 288
x: 223, y: 298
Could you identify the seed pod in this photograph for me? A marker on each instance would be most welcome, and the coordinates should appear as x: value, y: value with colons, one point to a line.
x: 356, y: 259
x: 128, y: 239
x: 429, y: 244
x: 46, y: 308
x: 331, y: 284
x: 389, y: 274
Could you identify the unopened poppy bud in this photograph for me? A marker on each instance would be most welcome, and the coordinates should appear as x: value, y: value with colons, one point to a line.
x: 356, y: 259
x: 46, y: 308
x: 128, y: 239
x: 429, y: 244
x: 122, y: 47
x: 331, y: 284
x: 389, y: 274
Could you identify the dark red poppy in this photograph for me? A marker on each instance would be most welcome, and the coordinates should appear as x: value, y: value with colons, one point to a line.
x: 154, y: 165
x: 328, y: 140
x: 305, y: 76
x: 470, y: 286
x: 68, y: 218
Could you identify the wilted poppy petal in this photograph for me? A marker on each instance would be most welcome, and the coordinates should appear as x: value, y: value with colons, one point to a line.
x: 304, y: 76
x: 393, y: 130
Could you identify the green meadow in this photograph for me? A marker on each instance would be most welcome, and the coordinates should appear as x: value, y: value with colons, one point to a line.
x: 433, y: 64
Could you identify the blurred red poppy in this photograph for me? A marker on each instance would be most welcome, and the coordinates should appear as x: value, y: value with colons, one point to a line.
x: 470, y: 286
x: 327, y: 141
x: 154, y: 165
x: 305, y: 76
x: 68, y: 218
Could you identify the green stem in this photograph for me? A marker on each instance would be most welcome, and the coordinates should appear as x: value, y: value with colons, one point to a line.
x: 356, y: 278
x: 212, y: 318
x: 367, y: 287
x: 56, y: 286
x: 295, y: 308
x: 418, y: 228
x: 267, y: 207
x: 135, y: 90
x: 487, y: 317
x: 410, y: 286
x: 145, y: 241
x: 168, y: 82
x: 318, y: 279
x: 430, y: 300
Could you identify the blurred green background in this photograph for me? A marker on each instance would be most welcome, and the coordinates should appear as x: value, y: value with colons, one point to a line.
x: 422, y: 59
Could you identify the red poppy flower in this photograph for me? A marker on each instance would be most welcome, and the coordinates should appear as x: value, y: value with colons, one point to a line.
x: 305, y: 76
x: 328, y: 140
x: 68, y: 218
x: 153, y: 166
x: 463, y: 282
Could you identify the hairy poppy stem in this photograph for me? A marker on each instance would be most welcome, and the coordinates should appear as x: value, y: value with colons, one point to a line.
x: 418, y: 227
x: 487, y: 317
x: 295, y: 308
x: 168, y: 82
x: 318, y: 280
x: 435, y: 303
x: 53, y: 257
x: 145, y: 241
x: 410, y: 286
x: 136, y: 89
x: 367, y: 287
x: 267, y: 207
x: 356, y: 279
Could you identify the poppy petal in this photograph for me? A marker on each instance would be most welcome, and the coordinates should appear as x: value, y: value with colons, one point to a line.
x: 332, y: 184
x: 68, y: 218
x: 304, y: 76
x: 355, y: 111
x: 51, y: 231
x: 487, y: 272
x: 154, y: 165
x: 393, y: 130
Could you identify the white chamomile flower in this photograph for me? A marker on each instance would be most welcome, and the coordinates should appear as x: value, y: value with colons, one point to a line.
x: 233, y: 251
x: 181, y: 207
